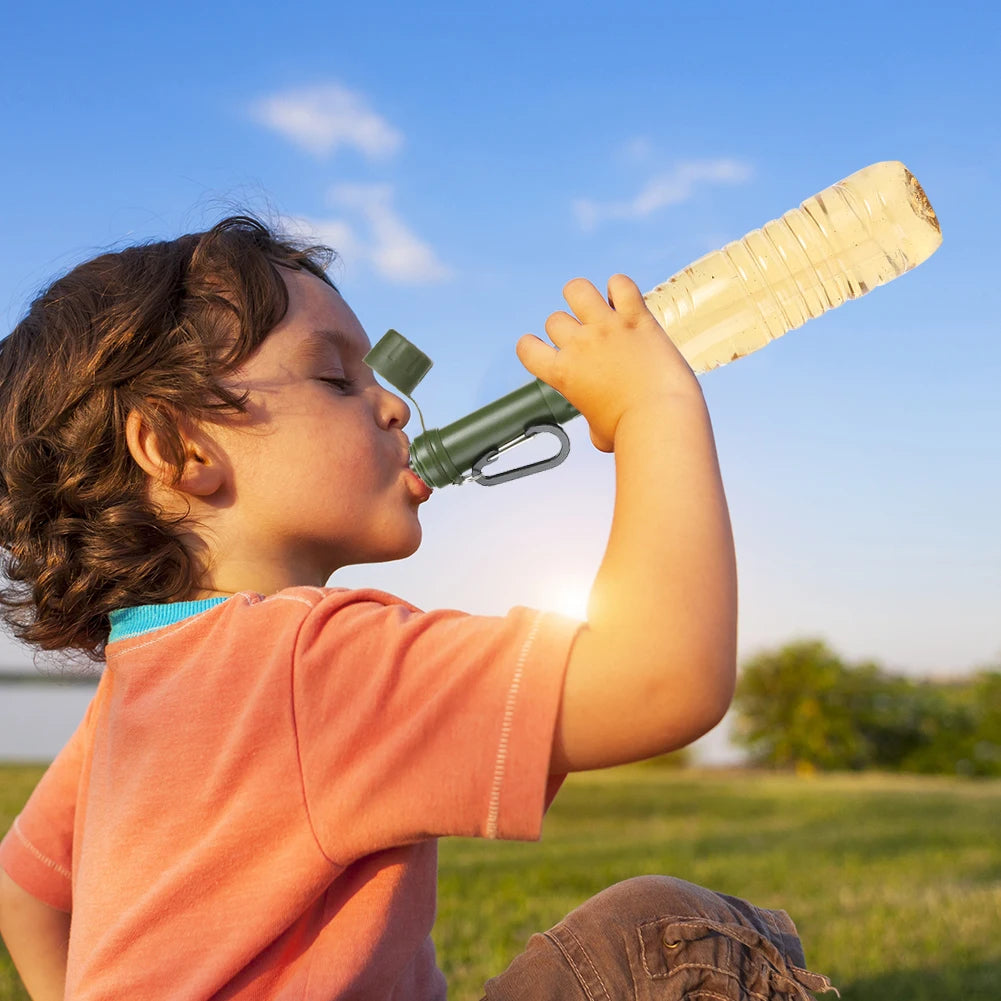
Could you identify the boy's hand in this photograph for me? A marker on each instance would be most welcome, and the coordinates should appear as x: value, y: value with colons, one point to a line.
x: 610, y: 357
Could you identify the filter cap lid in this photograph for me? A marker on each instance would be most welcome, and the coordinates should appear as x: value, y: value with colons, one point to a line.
x: 399, y: 362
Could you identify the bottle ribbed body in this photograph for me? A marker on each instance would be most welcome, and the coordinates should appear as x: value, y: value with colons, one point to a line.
x: 859, y: 233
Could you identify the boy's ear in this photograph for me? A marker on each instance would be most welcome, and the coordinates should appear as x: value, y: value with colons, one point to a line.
x: 202, y: 474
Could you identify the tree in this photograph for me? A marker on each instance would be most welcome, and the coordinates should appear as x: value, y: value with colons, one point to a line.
x: 796, y: 709
x: 802, y: 707
x: 966, y: 738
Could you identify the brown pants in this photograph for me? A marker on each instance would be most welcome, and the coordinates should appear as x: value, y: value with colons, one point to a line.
x: 656, y: 938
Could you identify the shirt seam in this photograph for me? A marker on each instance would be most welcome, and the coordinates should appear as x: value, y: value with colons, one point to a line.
x: 167, y: 631
x: 32, y: 850
x: 152, y: 611
x: 295, y: 734
x: 503, y: 745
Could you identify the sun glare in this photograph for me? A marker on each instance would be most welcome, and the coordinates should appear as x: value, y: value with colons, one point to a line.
x: 568, y: 596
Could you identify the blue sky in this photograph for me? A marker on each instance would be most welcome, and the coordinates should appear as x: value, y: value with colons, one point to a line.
x: 447, y: 152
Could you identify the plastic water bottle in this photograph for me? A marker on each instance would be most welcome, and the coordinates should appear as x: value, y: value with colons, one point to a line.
x: 840, y: 244
x: 859, y: 233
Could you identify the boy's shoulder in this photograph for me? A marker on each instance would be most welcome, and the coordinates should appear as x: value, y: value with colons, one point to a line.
x: 246, y: 611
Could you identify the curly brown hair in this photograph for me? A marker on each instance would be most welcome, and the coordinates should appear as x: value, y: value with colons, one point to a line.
x: 152, y: 328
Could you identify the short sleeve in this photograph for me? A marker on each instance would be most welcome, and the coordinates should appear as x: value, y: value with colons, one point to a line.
x: 418, y: 724
x: 37, y: 852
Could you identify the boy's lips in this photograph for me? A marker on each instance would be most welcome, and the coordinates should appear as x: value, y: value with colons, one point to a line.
x: 418, y: 487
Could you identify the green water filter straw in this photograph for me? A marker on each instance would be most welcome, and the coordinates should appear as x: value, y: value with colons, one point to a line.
x: 857, y: 234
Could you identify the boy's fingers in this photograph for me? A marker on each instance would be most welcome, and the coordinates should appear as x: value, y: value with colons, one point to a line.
x: 561, y: 326
x: 584, y: 299
x: 588, y: 304
x: 624, y: 295
x: 535, y: 355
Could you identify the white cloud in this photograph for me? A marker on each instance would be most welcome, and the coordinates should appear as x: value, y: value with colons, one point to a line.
x: 324, y: 118
x: 379, y: 236
x: 672, y: 188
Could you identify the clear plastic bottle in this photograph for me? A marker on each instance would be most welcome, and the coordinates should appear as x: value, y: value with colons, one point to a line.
x: 859, y: 233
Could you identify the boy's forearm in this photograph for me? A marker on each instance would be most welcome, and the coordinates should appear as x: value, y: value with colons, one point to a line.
x: 37, y: 938
x: 660, y: 644
x: 667, y: 583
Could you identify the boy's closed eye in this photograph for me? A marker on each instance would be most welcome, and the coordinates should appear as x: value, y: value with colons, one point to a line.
x: 341, y: 383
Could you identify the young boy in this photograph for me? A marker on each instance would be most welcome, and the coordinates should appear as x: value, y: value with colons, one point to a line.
x: 191, y: 444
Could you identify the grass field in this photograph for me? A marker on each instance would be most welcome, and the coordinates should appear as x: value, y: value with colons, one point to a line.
x: 894, y: 881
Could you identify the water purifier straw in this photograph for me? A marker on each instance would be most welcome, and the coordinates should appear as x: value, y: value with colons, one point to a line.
x: 857, y: 234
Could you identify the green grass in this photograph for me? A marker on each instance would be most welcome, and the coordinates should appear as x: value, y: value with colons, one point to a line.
x: 894, y: 881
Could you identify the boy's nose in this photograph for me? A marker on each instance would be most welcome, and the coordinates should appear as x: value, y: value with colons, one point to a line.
x: 394, y: 412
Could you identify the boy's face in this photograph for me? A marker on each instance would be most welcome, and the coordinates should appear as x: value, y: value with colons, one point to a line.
x: 319, y: 467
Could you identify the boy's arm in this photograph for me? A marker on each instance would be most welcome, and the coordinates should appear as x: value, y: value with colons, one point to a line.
x: 654, y: 668
x: 37, y: 937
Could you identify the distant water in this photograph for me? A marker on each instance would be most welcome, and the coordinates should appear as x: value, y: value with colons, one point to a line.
x: 36, y: 720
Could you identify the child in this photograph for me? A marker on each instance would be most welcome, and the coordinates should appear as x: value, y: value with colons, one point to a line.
x: 191, y: 445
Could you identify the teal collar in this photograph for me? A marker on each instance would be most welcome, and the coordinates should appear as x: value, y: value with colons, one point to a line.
x: 129, y: 622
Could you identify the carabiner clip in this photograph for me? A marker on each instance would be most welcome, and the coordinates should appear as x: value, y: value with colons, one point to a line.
x: 531, y: 431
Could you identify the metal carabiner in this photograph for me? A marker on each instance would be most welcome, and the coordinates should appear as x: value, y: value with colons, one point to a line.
x: 531, y: 431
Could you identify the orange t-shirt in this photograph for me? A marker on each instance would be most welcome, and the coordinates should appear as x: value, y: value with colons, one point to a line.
x: 249, y: 808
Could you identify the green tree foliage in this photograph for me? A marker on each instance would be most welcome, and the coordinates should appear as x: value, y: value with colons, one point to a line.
x: 802, y: 707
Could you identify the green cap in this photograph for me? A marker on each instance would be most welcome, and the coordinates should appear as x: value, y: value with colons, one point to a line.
x: 400, y: 363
